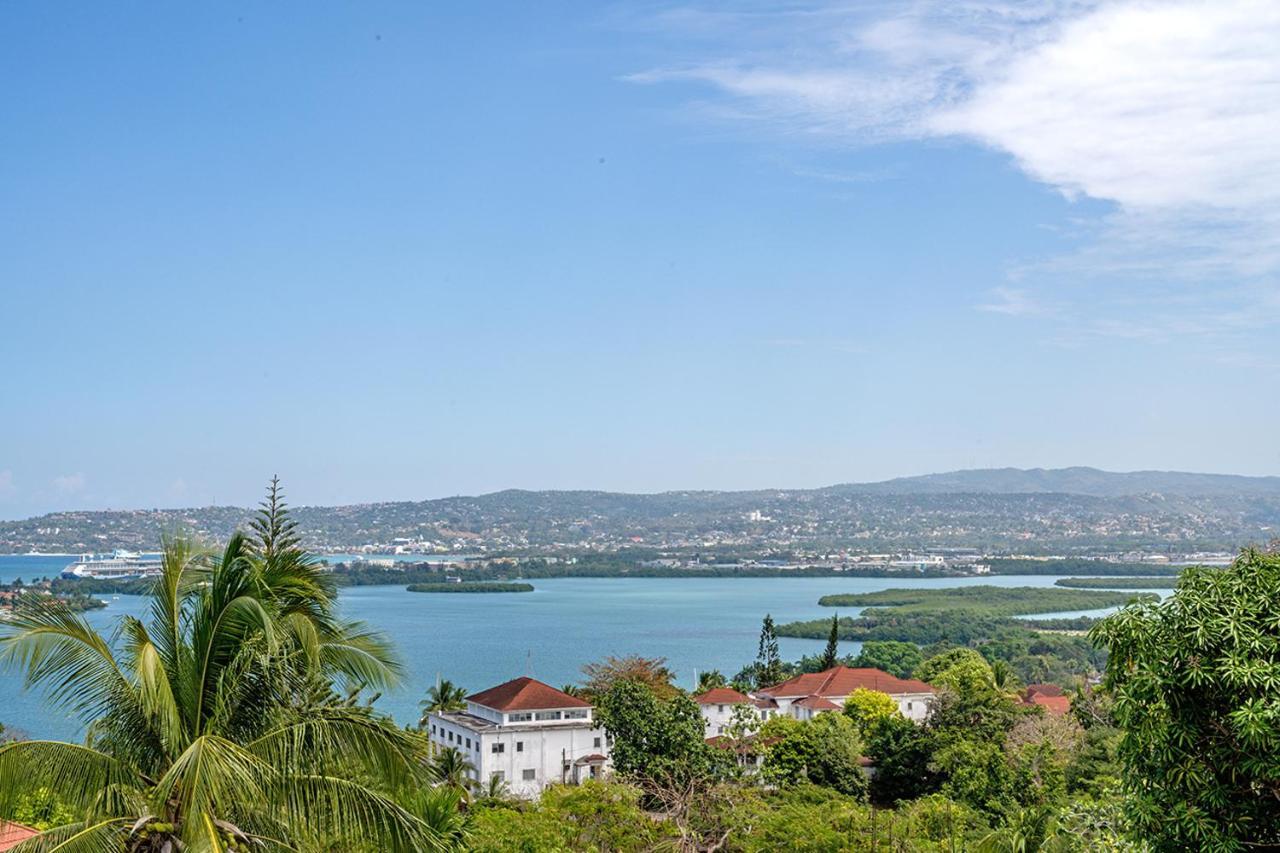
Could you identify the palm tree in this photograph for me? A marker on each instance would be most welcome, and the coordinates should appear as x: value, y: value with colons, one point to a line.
x: 1004, y: 677
x: 449, y: 768
x: 440, y: 808
x: 215, y: 724
x: 444, y: 698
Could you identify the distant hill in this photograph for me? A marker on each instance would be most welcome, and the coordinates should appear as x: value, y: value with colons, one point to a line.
x: 1008, y: 510
x: 1074, y: 481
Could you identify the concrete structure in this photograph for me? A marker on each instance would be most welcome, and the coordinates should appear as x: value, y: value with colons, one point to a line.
x: 525, y: 733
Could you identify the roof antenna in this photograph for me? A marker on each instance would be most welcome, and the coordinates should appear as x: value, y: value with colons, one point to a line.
x: 528, y: 663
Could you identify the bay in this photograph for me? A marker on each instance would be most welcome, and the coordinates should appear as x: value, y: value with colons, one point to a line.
x: 481, y: 640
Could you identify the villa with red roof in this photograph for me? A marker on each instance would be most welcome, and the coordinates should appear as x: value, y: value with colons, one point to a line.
x: 525, y: 733
x: 806, y: 696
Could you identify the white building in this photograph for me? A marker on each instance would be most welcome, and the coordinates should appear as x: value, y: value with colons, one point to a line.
x: 527, y: 734
x: 806, y: 696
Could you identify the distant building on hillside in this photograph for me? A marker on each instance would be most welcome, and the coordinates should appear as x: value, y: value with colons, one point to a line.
x: 527, y: 734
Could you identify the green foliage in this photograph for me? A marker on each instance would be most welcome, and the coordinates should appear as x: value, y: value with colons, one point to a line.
x: 1196, y: 681
x: 824, y: 751
x: 892, y: 656
x: 652, y: 738
x: 831, y: 654
x: 981, y: 600
x: 590, y: 816
x: 768, y: 667
x: 1077, y: 565
x: 711, y: 679
x: 1162, y: 582
x: 217, y: 715
x: 866, y: 708
x: 470, y: 586
x: 443, y: 698
x: 963, y: 670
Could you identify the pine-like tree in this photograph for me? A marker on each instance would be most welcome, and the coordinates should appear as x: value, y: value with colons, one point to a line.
x: 274, y: 532
x: 832, y: 653
x: 768, y: 662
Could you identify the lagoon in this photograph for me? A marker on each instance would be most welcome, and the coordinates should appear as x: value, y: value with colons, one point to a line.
x: 481, y: 640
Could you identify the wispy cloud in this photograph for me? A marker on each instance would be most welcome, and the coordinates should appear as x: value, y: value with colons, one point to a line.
x: 69, y: 484
x: 1014, y: 303
x: 1169, y: 109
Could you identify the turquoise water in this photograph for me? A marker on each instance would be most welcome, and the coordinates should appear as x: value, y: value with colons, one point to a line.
x: 481, y: 640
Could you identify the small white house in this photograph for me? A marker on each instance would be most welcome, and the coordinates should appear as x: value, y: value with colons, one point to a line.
x: 527, y: 734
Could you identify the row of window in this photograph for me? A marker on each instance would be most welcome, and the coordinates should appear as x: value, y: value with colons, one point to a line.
x: 527, y: 716
x: 529, y: 775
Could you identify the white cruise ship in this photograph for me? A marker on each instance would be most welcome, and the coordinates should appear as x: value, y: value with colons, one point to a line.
x: 120, y: 565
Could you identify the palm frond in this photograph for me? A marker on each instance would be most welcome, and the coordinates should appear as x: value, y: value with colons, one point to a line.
x: 343, y: 809
x: 342, y: 734
x: 78, y: 775
x: 63, y: 654
x: 362, y: 656
x: 210, y: 776
x: 103, y: 836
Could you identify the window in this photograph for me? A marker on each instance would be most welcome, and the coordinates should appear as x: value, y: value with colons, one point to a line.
x: 433, y: 728
x: 908, y: 706
x: 519, y: 746
x: 529, y: 775
x: 547, y: 715
x: 720, y: 709
x: 596, y: 743
x: 498, y: 747
x: 519, y: 718
x: 450, y: 737
x: 580, y: 714
x: 468, y: 743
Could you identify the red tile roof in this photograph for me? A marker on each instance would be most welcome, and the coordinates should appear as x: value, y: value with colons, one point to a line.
x: 526, y: 694
x: 1055, y: 706
x: 13, y: 834
x: 817, y: 703
x: 722, y: 696
x: 842, y: 680
x: 1044, y: 690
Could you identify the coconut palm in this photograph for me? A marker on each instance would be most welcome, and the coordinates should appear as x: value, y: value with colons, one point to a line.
x: 443, y: 698
x: 451, y: 769
x: 215, y: 725
x: 440, y: 808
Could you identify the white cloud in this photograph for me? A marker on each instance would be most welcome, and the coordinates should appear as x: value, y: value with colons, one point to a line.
x: 69, y: 484
x: 1013, y: 302
x: 1169, y: 109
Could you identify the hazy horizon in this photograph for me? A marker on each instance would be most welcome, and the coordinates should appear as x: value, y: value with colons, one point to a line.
x: 252, y: 501
x: 418, y: 251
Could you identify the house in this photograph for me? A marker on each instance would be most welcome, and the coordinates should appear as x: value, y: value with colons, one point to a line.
x: 1051, y: 697
x: 525, y: 733
x: 718, y: 703
x: 13, y: 834
x: 808, y: 695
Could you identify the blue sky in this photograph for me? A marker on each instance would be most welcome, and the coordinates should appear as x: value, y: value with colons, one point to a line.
x: 398, y: 251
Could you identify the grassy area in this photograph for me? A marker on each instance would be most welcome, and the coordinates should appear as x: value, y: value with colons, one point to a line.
x: 1117, y: 583
x: 470, y: 586
x: 979, y: 600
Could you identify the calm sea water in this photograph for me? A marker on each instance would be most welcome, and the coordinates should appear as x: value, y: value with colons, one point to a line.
x: 481, y: 640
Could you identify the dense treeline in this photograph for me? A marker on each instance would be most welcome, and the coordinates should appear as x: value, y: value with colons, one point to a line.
x: 982, y: 600
x: 1077, y: 566
x: 1118, y: 583
x: 482, y: 587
